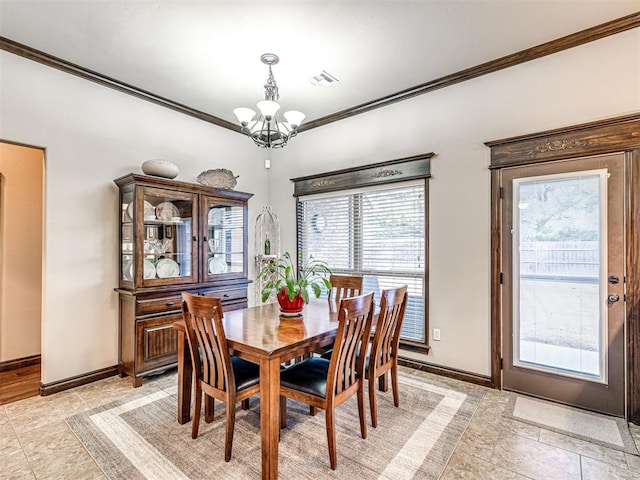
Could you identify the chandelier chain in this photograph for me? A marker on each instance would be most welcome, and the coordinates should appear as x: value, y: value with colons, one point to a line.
x: 271, y: 88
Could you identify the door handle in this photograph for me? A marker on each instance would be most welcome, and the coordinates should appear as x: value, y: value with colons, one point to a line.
x: 613, y: 298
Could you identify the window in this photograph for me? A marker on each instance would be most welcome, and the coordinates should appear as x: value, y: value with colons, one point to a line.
x: 378, y: 231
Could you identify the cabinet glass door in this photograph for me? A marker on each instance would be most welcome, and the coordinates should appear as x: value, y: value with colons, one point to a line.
x: 225, y: 239
x: 126, y: 237
x: 167, y: 230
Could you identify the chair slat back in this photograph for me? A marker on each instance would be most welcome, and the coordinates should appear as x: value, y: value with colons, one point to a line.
x: 344, y: 286
x: 386, y: 338
x: 207, y: 341
x: 355, y: 317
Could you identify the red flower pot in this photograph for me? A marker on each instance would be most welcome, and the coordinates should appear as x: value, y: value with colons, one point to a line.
x: 289, y: 306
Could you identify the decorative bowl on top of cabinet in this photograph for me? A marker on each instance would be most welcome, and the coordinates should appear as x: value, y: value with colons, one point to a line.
x: 174, y: 237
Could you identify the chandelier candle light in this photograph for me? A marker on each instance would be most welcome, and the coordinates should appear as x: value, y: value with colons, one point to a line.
x: 268, y: 131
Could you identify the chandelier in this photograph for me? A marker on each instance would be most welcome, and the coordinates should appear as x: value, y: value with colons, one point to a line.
x: 269, y: 131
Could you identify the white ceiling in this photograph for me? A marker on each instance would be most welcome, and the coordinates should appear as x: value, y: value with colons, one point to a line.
x: 206, y: 54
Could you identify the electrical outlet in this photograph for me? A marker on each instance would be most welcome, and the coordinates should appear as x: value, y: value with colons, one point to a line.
x: 436, y: 334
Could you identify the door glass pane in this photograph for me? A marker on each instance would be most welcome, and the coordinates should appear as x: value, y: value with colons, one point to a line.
x: 559, y: 245
x: 225, y: 225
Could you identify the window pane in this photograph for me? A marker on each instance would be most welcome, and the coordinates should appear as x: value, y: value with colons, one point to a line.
x: 393, y: 236
x: 324, y: 231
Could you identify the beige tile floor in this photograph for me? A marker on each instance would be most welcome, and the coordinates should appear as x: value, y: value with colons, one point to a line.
x: 36, y: 443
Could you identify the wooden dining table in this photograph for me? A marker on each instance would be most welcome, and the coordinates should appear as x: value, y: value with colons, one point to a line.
x: 260, y: 335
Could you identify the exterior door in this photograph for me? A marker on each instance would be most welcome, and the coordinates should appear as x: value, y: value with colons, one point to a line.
x: 563, y: 281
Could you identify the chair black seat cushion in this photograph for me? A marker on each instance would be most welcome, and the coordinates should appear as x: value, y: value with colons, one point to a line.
x: 327, y: 355
x: 309, y: 376
x: 247, y: 374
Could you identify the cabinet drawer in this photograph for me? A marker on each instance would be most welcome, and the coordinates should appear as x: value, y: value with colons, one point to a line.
x: 227, y: 296
x: 148, y: 306
x: 157, y: 342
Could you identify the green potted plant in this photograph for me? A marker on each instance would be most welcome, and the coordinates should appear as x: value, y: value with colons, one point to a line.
x: 290, y: 285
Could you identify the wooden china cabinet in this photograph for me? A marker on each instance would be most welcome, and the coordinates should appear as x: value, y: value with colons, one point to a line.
x: 174, y: 237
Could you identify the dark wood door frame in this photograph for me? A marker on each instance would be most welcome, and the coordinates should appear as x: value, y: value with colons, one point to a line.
x: 620, y: 134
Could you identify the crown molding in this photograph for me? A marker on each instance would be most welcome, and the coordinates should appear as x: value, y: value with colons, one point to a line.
x: 603, y: 30
x: 25, y: 51
x: 554, y: 46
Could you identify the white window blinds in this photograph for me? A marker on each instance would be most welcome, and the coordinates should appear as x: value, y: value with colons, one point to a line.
x: 379, y: 233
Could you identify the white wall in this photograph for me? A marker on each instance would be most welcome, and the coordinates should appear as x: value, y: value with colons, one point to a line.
x: 587, y: 83
x: 92, y: 135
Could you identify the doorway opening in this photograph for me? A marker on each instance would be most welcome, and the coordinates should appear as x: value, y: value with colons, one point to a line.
x: 21, y: 269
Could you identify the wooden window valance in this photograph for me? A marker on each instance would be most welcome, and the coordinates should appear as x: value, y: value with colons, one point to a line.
x: 392, y: 171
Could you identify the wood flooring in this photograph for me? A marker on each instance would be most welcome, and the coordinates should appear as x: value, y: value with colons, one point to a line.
x: 19, y: 383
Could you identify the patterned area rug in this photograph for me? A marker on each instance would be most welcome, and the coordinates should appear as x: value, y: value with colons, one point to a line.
x: 139, y: 438
x: 610, y: 432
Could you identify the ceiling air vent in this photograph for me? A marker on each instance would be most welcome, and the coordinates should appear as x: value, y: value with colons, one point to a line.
x: 323, y: 79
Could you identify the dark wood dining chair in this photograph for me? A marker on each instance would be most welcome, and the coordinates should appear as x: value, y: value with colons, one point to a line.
x: 383, y: 355
x: 344, y: 286
x: 217, y: 374
x: 326, y: 384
